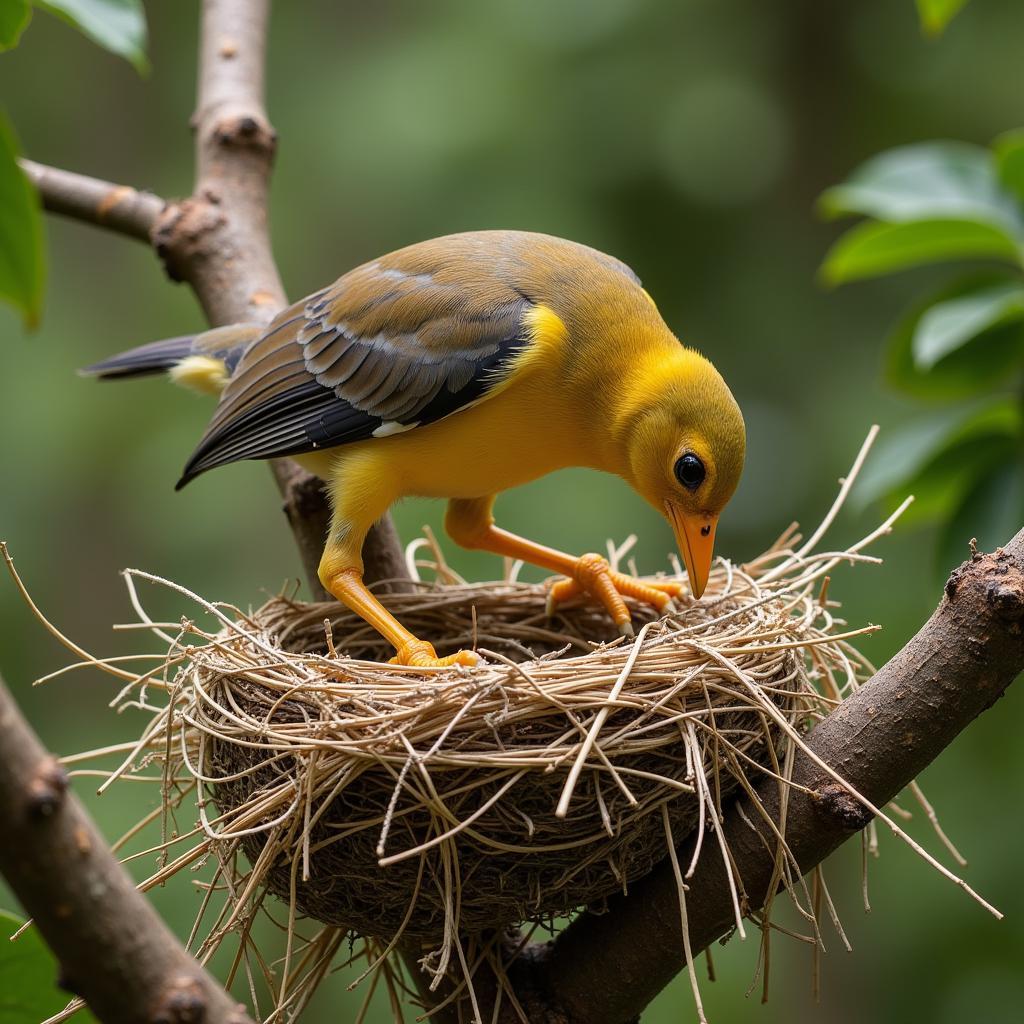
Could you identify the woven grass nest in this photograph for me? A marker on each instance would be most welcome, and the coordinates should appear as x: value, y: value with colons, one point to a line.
x: 386, y: 800
x: 483, y: 797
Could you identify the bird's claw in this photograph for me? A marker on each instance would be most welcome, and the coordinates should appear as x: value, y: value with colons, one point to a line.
x: 593, y: 575
x: 420, y: 654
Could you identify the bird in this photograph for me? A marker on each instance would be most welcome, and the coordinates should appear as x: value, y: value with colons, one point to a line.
x: 457, y: 368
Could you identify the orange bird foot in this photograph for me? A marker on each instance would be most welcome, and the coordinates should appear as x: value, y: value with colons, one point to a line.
x: 420, y: 654
x: 594, y: 576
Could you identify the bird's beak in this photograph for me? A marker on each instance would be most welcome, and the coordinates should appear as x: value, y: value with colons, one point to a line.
x: 695, y: 535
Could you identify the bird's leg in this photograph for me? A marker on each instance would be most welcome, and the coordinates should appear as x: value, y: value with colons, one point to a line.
x: 469, y: 523
x: 341, y: 572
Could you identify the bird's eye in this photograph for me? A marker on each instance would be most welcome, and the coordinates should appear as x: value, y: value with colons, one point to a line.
x: 690, y: 471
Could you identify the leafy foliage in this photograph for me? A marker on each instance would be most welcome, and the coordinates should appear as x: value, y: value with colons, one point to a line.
x: 22, y: 268
x: 947, y: 326
x: 924, y: 182
x: 872, y: 249
x: 116, y: 25
x: 960, y: 374
x: 927, y: 204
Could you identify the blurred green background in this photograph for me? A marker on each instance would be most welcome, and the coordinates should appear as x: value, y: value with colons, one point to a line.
x: 688, y: 137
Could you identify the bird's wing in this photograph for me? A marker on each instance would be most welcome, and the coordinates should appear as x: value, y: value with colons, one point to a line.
x: 395, y: 344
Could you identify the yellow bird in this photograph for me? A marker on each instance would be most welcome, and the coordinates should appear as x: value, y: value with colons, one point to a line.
x: 458, y: 368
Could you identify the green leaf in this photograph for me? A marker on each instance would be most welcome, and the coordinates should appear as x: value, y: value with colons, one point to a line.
x: 928, y: 181
x: 935, y: 15
x: 14, y: 17
x: 116, y: 25
x: 22, y: 267
x: 1009, y: 151
x: 961, y: 374
x: 949, y: 325
x: 27, y: 975
x: 946, y: 446
x: 869, y: 250
x: 992, y: 511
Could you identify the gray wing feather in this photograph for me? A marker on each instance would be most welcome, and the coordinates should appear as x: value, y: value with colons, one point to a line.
x: 315, y: 381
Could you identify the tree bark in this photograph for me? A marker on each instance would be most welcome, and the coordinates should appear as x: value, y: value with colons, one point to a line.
x: 119, y: 207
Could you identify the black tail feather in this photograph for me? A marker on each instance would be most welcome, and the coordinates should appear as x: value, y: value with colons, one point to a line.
x: 156, y: 357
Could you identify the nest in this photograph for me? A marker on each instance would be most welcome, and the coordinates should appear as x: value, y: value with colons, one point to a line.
x: 387, y: 801
x: 435, y: 807
x: 394, y: 802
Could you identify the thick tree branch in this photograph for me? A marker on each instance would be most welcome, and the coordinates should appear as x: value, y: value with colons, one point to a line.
x: 218, y: 240
x: 120, y: 208
x: 114, y: 949
x: 605, y: 970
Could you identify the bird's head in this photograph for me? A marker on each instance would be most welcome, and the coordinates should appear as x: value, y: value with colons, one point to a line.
x: 686, y: 445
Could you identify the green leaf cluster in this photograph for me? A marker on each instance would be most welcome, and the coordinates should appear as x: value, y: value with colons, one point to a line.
x: 120, y: 27
x: 964, y: 344
x: 14, y: 18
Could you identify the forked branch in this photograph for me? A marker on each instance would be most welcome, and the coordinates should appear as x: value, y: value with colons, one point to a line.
x: 217, y: 240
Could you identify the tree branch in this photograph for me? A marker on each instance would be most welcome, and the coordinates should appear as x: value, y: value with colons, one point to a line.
x: 115, y: 951
x: 120, y: 208
x: 606, y: 969
x: 218, y: 241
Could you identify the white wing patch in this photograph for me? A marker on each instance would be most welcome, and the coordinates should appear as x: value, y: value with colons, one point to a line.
x: 393, y: 427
